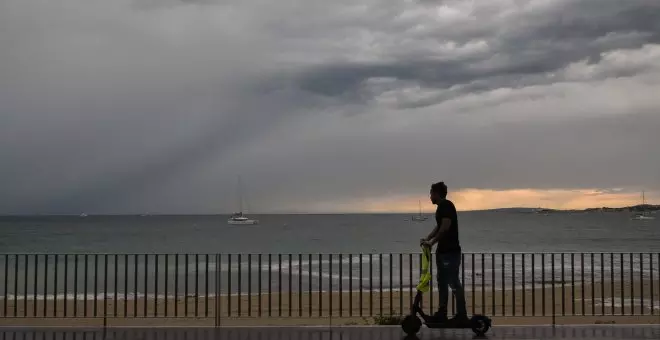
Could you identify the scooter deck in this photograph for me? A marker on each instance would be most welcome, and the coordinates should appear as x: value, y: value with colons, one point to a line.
x: 448, y: 325
x: 469, y: 323
x: 431, y: 323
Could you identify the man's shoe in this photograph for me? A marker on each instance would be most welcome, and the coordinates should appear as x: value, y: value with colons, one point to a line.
x: 439, y: 317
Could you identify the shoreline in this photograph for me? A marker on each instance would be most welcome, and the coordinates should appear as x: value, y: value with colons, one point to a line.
x: 375, y: 289
x: 582, y: 302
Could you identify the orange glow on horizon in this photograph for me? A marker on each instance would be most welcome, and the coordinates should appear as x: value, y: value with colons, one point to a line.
x: 480, y: 199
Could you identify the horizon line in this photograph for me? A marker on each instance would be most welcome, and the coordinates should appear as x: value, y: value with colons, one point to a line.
x: 303, y: 213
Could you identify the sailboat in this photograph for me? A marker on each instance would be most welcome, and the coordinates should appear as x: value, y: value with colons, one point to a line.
x: 643, y: 215
x: 238, y: 218
x: 420, y: 217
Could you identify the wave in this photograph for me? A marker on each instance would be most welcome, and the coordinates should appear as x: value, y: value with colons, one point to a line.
x: 625, y: 303
x: 476, y: 263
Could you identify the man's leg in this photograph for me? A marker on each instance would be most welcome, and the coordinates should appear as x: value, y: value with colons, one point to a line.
x: 443, y: 285
x: 454, y: 282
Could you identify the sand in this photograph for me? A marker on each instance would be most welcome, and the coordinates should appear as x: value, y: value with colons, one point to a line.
x: 519, y: 306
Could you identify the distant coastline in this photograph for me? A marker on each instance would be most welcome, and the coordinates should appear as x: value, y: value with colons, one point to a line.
x: 632, y: 208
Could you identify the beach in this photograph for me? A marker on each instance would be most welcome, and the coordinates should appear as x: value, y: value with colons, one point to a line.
x: 574, y: 304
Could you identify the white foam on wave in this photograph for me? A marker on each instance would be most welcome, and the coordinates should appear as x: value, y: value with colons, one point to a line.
x: 375, y: 288
x: 626, y: 303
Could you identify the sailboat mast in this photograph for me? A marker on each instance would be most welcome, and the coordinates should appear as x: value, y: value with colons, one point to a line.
x: 240, y: 196
x: 643, y: 198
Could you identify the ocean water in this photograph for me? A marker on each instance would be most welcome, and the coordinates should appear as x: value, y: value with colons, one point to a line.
x: 128, y: 255
x: 479, y: 232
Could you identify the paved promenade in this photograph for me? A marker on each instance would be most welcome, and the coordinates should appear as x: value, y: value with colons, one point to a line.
x: 604, y: 332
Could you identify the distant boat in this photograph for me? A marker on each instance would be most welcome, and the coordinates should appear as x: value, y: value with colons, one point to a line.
x: 644, y: 215
x: 238, y: 218
x: 83, y: 215
x: 419, y: 217
x: 542, y: 211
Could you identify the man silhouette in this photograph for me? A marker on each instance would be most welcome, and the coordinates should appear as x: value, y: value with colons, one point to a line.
x: 447, y: 254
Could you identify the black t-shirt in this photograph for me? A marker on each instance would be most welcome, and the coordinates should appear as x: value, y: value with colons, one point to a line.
x: 449, y: 240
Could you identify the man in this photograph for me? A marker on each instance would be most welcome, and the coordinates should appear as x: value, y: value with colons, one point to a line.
x: 448, y: 253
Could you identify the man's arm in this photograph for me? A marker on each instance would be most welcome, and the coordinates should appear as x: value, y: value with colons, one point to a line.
x: 433, y: 232
x: 428, y: 238
x: 444, y: 226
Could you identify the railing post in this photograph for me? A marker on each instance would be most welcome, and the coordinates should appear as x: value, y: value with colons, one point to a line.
x: 552, y: 280
x: 105, y: 326
x: 217, y: 310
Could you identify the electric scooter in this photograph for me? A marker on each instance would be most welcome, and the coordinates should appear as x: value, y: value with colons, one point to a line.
x: 480, y: 324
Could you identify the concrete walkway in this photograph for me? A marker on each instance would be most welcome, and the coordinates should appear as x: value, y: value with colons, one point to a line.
x: 604, y: 332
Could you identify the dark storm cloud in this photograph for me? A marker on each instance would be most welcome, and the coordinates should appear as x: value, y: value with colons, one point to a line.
x: 517, y: 56
x: 134, y: 106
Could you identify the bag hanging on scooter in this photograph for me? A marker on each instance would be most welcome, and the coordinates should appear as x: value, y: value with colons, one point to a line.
x: 425, y: 273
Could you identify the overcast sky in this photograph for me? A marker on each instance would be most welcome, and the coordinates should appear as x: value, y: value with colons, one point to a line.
x: 347, y: 105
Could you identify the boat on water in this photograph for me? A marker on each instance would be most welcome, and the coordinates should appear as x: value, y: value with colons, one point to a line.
x: 239, y: 218
x: 644, y: 215
x: 419, y: 217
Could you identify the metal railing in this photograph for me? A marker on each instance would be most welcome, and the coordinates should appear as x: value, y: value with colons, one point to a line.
x: 320, y: 285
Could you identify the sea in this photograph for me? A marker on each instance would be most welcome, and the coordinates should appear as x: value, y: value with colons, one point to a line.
x: 56, y: 257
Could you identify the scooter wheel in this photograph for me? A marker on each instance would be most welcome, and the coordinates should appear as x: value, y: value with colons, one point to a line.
x: 480, y: 324
x: 411, y: 324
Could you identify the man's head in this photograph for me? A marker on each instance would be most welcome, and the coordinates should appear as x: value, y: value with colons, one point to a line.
x: 438, y: 192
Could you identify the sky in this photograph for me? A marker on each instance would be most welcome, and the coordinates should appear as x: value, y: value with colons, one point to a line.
x: 327, y: 106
